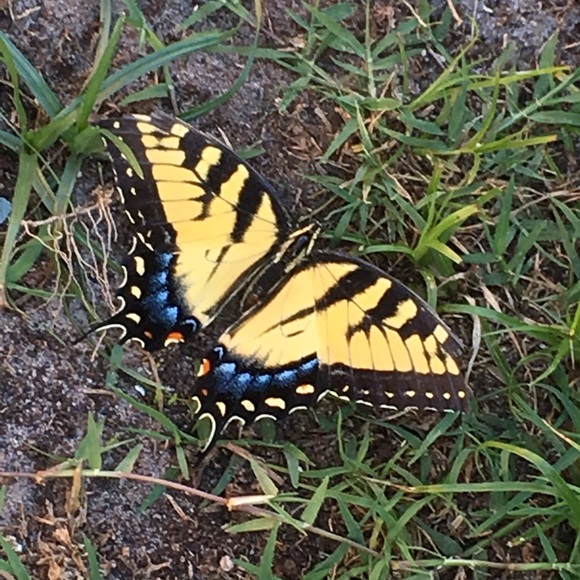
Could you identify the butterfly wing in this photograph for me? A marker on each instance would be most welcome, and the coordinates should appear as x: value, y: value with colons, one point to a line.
x: 337, y: 325
x: 204, y: 222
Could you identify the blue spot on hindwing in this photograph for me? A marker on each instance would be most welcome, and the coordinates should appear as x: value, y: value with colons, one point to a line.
x: 285, y: 378
x: 164, y: 259
x: 289, y: 378
x: 223, y: 374
x: 158, y: 281
x: 159, y: 299
x: 159, y: 308
x: 309, y: 365
x: 170, y: 314
x: 261, y: 383
x: 239, y: 385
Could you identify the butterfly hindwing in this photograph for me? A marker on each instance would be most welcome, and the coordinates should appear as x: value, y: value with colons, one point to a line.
x: 333, y: 324
x: 204, y: 223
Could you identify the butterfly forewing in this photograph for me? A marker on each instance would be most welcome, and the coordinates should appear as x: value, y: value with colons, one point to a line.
x: 204, y: 222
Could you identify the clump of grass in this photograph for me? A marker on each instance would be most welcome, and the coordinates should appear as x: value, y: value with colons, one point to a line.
x: 462, y: 174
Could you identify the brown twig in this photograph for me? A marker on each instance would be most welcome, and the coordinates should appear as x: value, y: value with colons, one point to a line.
x: 232, y: 504
x: 458, y: 18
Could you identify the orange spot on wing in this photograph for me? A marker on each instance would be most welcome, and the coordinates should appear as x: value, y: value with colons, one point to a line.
x: 176, y: 336
x: 204, y: 367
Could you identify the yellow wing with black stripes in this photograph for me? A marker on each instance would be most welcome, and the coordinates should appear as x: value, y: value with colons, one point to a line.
x: 204, y: 222
x: 332, y: 325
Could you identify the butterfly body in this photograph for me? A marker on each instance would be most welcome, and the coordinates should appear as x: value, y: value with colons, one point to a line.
x: 206, y: 224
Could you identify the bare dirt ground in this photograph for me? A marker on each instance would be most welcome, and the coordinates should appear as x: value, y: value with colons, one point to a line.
x: 48, y: 387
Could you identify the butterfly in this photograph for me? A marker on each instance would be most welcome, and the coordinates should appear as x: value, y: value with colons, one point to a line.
x: 205, y: 225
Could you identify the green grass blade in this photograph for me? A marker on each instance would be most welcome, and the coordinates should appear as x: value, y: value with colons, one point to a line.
x: 311, y: 510
x: 133, y: 71
x: 571, y: 498
x: 32, y: 79
x: 26, y: 169
x: 204, y: 108
x: 17, y: 569
x: 91, y: 93
x: 10, y: 141
x: 8, y: 59
x: 94, y: 570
